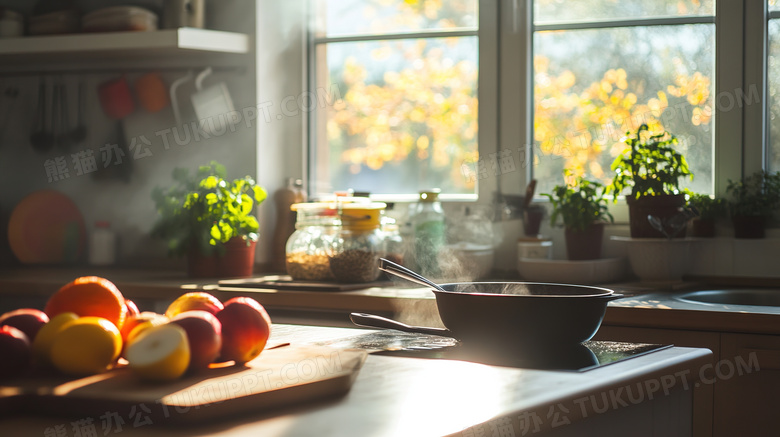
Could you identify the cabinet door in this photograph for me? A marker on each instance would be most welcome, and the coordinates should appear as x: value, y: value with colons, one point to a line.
x: 703, y: 394
x: 747, y: 394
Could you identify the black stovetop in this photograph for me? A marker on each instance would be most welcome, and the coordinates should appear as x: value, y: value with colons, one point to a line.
x: 581, y: 357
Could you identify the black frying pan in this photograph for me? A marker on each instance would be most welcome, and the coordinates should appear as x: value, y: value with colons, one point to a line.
x: 512, y: 313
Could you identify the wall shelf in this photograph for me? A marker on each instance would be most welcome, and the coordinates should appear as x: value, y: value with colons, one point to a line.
x: 185, y: 46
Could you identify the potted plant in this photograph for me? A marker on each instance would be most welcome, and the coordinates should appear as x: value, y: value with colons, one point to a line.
x: 583, y: 209
x: 210, y: 220
x: 753, y: 202
x: 708, y: 209
x: 651, y: 168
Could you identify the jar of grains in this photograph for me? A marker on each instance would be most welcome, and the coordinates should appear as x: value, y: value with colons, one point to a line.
x: 306, y: 251
x: 354, y: 255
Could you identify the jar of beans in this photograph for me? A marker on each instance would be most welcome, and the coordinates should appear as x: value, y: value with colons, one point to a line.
x: 306, y: 251
x: 355, y: 252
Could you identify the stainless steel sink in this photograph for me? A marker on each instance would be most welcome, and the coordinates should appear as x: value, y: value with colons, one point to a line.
x: 745, y: 296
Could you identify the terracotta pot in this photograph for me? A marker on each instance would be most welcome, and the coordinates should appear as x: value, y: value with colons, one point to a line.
x: 749, y: 226
x: 585, y: 244
x: 664, y: 207
x: 237, y: 261
x: 702, y: 228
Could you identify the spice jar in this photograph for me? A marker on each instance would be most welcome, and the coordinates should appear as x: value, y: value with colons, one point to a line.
x: 354, y: 255
x: 306, y: 251
x: 393, y: 241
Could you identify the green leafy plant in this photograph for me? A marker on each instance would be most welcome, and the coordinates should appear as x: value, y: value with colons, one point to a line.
x: 757, y: 195
x: 205, y: 210
x: 649, y: 166
x: 579, y: 205
x: 707, y: 207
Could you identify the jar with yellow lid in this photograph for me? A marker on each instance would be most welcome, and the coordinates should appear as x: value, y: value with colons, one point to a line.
x: 306, y: 251
x: 355, y: 252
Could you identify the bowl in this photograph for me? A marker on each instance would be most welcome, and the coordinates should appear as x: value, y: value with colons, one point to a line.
x: 659, y: 259
x: 598, y: 271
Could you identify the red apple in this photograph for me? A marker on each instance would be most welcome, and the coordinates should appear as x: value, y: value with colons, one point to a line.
x: 15, y: 352
x: 204, y: 335
x: 132, y: 308
x: 196, y: 300
x: 245, y: 329
x: 27, y: 320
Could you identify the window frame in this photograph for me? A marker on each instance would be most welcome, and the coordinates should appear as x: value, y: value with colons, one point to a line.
x: 486, y: 91
x: 506, y: 63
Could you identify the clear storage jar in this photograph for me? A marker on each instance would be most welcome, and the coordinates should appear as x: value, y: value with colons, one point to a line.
x: 359, y: 243
x: 306, y: 251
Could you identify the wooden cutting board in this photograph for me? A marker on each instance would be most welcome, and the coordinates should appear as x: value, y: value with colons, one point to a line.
x: 279, y: 377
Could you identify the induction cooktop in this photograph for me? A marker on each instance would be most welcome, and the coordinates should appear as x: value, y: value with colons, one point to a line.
x: 578, y: 358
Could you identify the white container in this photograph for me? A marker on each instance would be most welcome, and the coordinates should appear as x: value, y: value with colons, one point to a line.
x: 119, y: 19
x: 597, y: 271
x: 11, y: 24
x: 659, y: 259
x: 55, y: 23
x: 534, y: 248
x: 476, y: 259
x: 102, y: 245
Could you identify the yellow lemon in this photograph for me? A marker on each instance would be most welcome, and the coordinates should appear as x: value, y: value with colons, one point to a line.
x: 159, y: 353
x: 86, y: 346
x: 41, y: 346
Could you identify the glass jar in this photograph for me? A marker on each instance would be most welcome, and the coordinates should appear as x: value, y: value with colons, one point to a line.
x: 359, y: 243
x: 393, y: 241
x: 306, y: 251
x: 429, y: 233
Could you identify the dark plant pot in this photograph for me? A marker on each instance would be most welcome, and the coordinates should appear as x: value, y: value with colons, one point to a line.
x: 585, y: 244
x: 749, y: 226
x: 237, y: 261
x: 532, y: 221
x: 664, y: 207
x: 702, y: 228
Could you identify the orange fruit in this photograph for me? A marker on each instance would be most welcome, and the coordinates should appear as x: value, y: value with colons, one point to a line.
x: 194, y: 300
x: 86, y: 346
x: 89, y: 296
x: 43, y: 342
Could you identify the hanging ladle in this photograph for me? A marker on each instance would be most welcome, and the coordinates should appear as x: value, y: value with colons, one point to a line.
x: 409, y: 275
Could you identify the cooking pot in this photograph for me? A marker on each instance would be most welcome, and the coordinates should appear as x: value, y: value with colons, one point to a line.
x: 524, y: 314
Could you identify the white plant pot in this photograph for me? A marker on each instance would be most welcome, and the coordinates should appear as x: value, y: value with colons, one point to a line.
x: 659, y: 259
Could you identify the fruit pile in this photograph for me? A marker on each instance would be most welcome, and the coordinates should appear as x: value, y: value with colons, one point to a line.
x: 88, y: 327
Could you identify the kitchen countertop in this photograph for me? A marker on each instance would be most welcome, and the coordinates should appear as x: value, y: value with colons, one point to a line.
x: 646, y: 305
x: 409, y: 396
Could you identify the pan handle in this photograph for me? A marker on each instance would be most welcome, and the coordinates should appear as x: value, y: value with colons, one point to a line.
x: 374, y: 321
x: 613, y: 296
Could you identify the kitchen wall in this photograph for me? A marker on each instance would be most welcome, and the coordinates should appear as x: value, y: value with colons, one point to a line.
x: 127, y: 203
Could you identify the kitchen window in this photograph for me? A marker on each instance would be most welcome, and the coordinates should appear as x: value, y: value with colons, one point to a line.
x: 403, y: 76
x: 559, y: 84
x: 602, y: 68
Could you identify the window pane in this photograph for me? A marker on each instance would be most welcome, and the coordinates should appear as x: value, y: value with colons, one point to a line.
x: 591, y: 86
x: 406, y: 120
x: 556, y: 11
x: 774, y: 95
x: 363, y: 17
x: 774, y: 5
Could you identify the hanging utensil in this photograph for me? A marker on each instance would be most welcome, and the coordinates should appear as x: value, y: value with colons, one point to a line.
x: 10, y: 93
x: 64, y: 133
x: 79, y: 133
x: 40, y: 138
